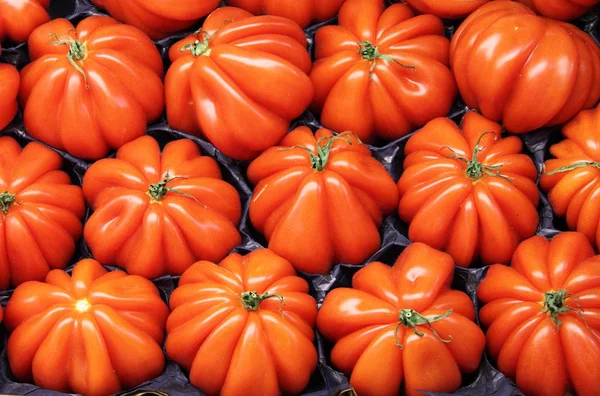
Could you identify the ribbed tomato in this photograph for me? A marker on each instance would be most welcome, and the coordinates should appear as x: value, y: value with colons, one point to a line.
x: 468, y: 192
x: 244, y: 327
x: 321, y: 191
x: 92, y: 88
x: 40, y: 213
x: 93, y: 333
x: 9, y: 88
x: 543, y: 316
x: 18, y: 18
x: 446, y: 8
x: 563, y: 10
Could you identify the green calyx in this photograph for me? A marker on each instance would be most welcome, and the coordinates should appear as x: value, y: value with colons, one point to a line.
x: 555, y: 304
x: 158, y: 191
x: 410, y: 318
x: 319, y: 160
x: 569, y: 168
x: 371, y: 53
x: 199, y: 47
x: 251, y: 300
x: 77, y: 53
x: 6, y: 201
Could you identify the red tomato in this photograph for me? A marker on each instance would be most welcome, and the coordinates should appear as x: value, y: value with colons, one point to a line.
x: 572, y: 179
x: 239, y: 81
x: 158, y: 18
x: 452, y: 9
x: 563, y: 10
x: 94, y: 333
x: 403, y: 325
x: 244, y: 327
x: 543, y: 316
x: 522, y: 69
x: 40, y: 213
x: 303, y: 12
x: 18, y: 18
x: 468, y: 192
x: 381, y: 72
x: 90, y: 89
x: 324, y: 192
x: 9, y: 88
x: 156, y: 214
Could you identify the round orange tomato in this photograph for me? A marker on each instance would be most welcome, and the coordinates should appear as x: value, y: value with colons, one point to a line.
x: 239, y: 81
x: 563, y: 10
x: 543, y: 316
x: 324, y: 193
x: 156, y: 214
x: 244, y: 327
x: 9, y: 88
x: 403, y: 325
x: 451, y: 9
x: 158, y: 18
x: 18, y: 18
x: 90, y: 89
x: 525, y: 70
x: 470, y: 193
x: 381, y: 72
x: 94, y: 333
x: 40, y: 213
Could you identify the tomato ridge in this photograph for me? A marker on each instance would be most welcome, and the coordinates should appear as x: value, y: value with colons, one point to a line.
x: 411, y: 318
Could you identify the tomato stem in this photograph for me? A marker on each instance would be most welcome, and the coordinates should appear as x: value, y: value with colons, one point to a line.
x: 555, y: 305
x: 199, y: 47
x: 319, y: 161
x: 77, y: 53
x: 158, y: 191
x: 6, y: 201
x: 572, y: 167
x: 411, y: 318
x: 371, y: 53
x: 251, y: 300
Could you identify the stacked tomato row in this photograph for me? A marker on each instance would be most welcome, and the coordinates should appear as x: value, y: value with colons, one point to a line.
x: 245, y: 324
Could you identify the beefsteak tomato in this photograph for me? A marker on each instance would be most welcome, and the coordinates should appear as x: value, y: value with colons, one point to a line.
x: 244, y: 327
x: 157, y: 214
x: 403, y: 324
x: 450, y: 9
x: 525, y: 70
x: 9, y: 88
x: 90, y: 89
x: 470, y: 193
x: 563, y: 10
x: 158, y: 18
x: 381, y: 72
x: 93, y: 333
x: 325, y: 192
x: 18, y: 18
x: 543, y: 316
x: 40, y: 219
x: 239, y: 81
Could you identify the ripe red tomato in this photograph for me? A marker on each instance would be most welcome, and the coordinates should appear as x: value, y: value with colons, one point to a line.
x: 9, y: 88
x: 322, y: 191
x: 94, y: 333
x: 452, y: 9
x: 40, y: 213
x: 543, y: 316
x: 92, y: 88
x: 381, y: 72
x: 156, y: 214
x: 303, y: 12
x: 244, y: 327
x: 563, y: 10
x: 239, y: 81
x: 522, y: 69
x: 572, y: 179
x: 468, y: 191
x: 158, y: 18
x: 18, y: 18
x: 403, y: 325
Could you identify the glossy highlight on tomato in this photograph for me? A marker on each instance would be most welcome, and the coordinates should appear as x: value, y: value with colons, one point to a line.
x: 9, y: 88
x: 40, y: 213
x: 158, y: 213
x: 92, y: 88
x: 244, y: 327
x: 564, y: 10
x: 450, y: 9
x: 18, y: 18
x: 543, y: 316
x: 93, y: 333
x: 320, y: 199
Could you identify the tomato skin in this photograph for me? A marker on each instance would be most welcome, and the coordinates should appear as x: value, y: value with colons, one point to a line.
x: 503, y: 56
x: 43, y: 222
x: 154, y: 237
x: 94, y: 333
x: 362, y: 321
x: 9, y: 88
x: 242, y: 93
x: 275, y: 352
x: 448, y: 9
x: 294, y: 204
x: 18, y: 18
x: 521, y: 335
x: 378, y: 98
x: 563, y: 10
x: 117, y: 106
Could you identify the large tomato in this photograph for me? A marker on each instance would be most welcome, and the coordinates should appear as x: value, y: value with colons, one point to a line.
x: 244, y: 327
x: 447, y: 8
x: 239, y: 81
x: 158, y: 18
x: 381, y: 72
x: 325, y: 192
x: 525, y: 70
x: 40, y: 213
x: 303, y: 12
x: 90, y: 89
x: 543, y: 316
x: 94, y: 333
x: 563, y: 10
x: 403, y: 324
x: 9, y: 88
x: 18, y: 18
x: 156, y: 214
x: 470, y: 193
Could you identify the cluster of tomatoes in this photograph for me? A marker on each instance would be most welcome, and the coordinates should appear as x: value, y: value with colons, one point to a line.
x: 245, y: 324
